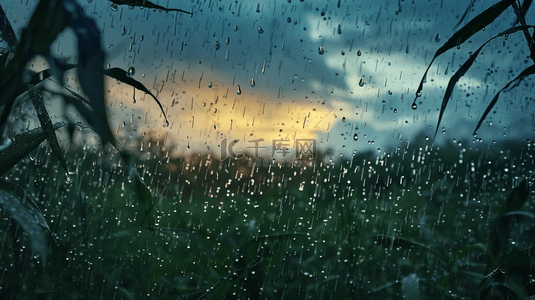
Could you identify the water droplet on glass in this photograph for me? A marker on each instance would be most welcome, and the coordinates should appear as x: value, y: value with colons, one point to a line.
x: 235, y: 28
x: 4, y: 143
x: 166, y: 123
x: 359, y: 53
x: 253, y: 83
x: 289, y: 20
x: 343, y: 52
x: 414, y: 106
x: 320, y: 50
x: 343, y: 119
x: 395, y: 110
x: 239, y: 90
x: 227, y: 41
x: 210, y: 84
x: 258, y: 8
x: 141, y: 38
x: 407, y: 49
x: 355, y: 137
x: 217, y: 45
x: 131, y: 7
x: 339, y: 29
x: 131, y: 72
x: 361, y: 82
x: 260, y: 30
x: 389, y: 92
x: 114, y: 7
x: 124, y: 31
x: 437, y: 38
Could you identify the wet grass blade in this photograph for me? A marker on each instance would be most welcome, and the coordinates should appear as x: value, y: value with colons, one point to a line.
x: 147, y: 4
x: 527, y: 72
x: 7, y: 31
x: 90, y: 63
x: 122, y: 76
x: 465, y: 67
x: 46, y: 124
x: 145, y: 198
x: 21, y: 145
x: 465, y: 13
x: 514, y: 260
x: 27, y: 215
x: 475, y: 25
x: 3, y: 60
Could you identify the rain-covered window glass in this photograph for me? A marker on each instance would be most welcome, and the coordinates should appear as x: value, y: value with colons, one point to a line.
x: 281, y: 149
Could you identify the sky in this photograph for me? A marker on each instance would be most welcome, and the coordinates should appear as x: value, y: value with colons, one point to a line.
x: 342, y: 74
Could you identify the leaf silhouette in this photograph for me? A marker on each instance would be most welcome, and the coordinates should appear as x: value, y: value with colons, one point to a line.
x: 147, y: 4
x: 122, y: 76
x: 46, y: 124
x: 527, y: 72
x: 27, y: 215
x: 21, y: 145
x: 145, y: 198
x: 7, y: 31
x: 474, y: 26
x: 90, y: 63
x: 465, y: 67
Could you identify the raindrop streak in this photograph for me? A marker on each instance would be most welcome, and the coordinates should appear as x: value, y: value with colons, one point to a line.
x: 253, y: 83
x: 260, y: 30
x: 131, y: 72
x: 355, y: 137
x: 239, y: 90
x: 437, y: 38
x: 361, y: 82
x: 320, y: 50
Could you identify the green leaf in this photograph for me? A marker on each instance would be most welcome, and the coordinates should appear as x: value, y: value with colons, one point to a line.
x: 475, y: 25
x: 46, y: 124
x: 515, y: 260
x: 122, y: 76
x: 21, y: 145
x: 147, y: 4
x: 527, y: 72
x: 27, y: 215
x: 145, y: 199
x: 407, y: 243
x: 7, y: 31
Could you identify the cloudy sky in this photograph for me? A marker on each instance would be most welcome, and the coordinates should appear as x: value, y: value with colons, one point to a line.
x: 343, y: 73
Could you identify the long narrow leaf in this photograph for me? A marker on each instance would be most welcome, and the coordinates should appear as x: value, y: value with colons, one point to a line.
x: 122, y: 76
x: 147, y: 4
x: 515, y: 260
x: 465, y: 67
x: 527, y: 72
x: 90, y: 63
x: 27, y: 215
x: 7, y: 31
x: 46, y: 123
x: 145, y: 198
x: 475, y: 25
x: 22, y: 144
